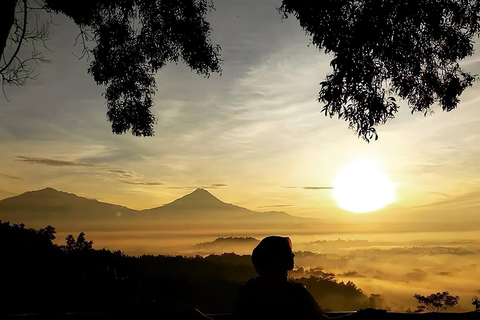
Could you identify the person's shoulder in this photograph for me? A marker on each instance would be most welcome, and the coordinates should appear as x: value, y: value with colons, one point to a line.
x: 296, y: 286
x: 250, y: 284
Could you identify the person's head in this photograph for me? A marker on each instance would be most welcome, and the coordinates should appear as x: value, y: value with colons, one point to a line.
x: 273, y: 256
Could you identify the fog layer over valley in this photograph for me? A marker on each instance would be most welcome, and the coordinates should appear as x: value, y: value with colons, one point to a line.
x: 395, y: 269
x: 385, y: 261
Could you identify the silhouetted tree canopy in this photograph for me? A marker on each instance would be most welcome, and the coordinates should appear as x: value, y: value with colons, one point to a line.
x: 48, y: 232
x: 387, y: 48
x: 436, y: 302
x: 81, y: 244
x: 134, y: 39
x: 382, y: 49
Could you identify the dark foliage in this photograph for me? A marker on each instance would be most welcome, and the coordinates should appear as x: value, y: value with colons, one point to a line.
x: 476, y: 303
x: 81, y: 244
x: 333, y: 295
x: 382, y: 49
x: 134, y: 39
x: 40, y: 277
x: 387, y: 48
x: 436, y: 302
x: 28, y: 269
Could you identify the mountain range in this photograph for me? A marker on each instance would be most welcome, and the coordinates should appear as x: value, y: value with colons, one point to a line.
x: 199, y: 209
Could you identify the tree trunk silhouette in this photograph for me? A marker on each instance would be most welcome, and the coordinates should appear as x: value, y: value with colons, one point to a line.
x: 7, y: 18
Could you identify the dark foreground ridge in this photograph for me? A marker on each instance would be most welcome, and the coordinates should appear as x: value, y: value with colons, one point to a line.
x: 41, y: 280
x: 364, y: 314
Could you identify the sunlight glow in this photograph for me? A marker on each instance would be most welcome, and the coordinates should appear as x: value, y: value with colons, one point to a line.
x: 362, y: 186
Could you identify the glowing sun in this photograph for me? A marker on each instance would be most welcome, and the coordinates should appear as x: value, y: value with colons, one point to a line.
x: 362, y: 186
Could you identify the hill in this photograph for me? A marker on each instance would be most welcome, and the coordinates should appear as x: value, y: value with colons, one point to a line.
x: 239, y: 245
x: 51, y: 207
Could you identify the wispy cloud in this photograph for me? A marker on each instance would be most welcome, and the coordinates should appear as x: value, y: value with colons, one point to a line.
x: 215, y: 186
x: 212, y: 186
x: 276, y: 206
x: 57, y: 163
x: 468, y: 199
x: 144, y: 183
x: 181, y: 188
x: 122, y: 173
x: 7, y: 176
x: 311, y: 188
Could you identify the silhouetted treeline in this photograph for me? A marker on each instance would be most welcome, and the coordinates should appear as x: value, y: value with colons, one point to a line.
x: 38, y: 276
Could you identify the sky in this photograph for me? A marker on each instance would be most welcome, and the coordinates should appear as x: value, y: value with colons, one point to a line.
x: 254, y: 136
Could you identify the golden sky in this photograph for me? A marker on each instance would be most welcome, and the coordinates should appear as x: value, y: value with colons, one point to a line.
x: 254, y: 136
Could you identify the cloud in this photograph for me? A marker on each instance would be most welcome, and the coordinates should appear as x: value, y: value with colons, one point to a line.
x: 215, y: 186
x: 7, y: 176
x: 182, y: 188
x: 144, y: 183
x: 129, y: 150
x: 212, y: 186
x: 311, y: 188
x: 57, y: 163
x: 276, y: 206
x: 467, y: 199
x: 124, y: 174
x: 118, y: 171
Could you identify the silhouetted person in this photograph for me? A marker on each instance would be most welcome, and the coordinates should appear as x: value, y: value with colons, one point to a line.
x: 272, y: 295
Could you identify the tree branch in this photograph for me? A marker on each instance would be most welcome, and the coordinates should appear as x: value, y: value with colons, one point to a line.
x: 21, y: 38
x: 7, y: 18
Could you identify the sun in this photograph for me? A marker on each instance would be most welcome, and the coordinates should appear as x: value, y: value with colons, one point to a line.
x: 362, y: 186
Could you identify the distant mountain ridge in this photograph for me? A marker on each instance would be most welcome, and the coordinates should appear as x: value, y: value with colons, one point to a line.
x: 46, y: 196
x: 52, y: 207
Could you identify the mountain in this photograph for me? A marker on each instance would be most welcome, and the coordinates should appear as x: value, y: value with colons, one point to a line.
x: 48, y: 206
x: 200, y: 199
x: 199, y: 210
x: 198, y: 203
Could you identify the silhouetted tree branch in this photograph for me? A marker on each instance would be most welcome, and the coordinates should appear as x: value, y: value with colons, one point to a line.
x: 384, y: 49
x: 133, y: 39
x: 20, y: 27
